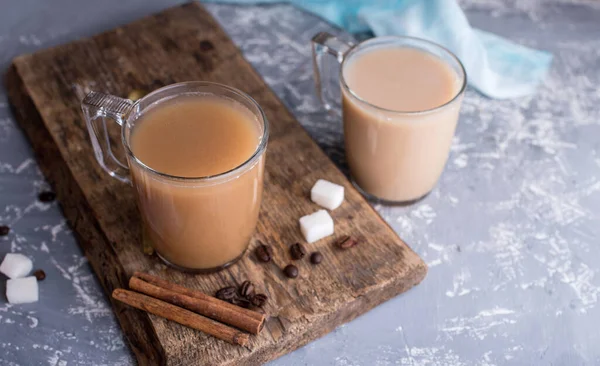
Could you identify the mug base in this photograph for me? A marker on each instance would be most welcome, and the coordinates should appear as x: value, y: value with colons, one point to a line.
x: 385, y: 202
x: 201, y: 270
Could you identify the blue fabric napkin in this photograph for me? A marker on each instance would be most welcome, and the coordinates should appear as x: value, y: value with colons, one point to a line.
x: 495, y: 66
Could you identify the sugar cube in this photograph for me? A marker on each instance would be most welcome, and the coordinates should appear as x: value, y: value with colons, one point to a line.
x: 316, y: 226
x: 22, y: 290
x: 327, y: 194
x: 16, y: 265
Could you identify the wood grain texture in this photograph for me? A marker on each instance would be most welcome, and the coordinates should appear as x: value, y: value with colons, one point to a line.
x: 181, y: 44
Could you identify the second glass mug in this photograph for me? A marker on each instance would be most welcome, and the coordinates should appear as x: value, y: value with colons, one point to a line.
x: 395, y: 157
x: 198, y: 224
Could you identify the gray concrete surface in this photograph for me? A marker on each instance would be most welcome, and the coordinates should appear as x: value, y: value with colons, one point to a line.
x: 510, y: 233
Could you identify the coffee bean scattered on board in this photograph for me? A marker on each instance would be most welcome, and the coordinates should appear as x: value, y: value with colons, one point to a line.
x: 47, y: 196
x: 240, y: 302
x: 259, y: 300
x: 226, y: 293
x: 297, y: 251
x: 291, y: 271
x: 316, y: 258
x: 346, y: 242
x: 4, y: 230
x: 39, y: 274
x: 264, y: 253
x: 246, y: 289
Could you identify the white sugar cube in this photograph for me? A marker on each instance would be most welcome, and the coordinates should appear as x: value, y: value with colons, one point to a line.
x: 22, y: 290
x: 327, y: 194
x: 316, y: 226
x: 16, y: 265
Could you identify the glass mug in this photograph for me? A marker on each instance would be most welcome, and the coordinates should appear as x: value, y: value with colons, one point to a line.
x: 197, y: 224
x: 394, y: 157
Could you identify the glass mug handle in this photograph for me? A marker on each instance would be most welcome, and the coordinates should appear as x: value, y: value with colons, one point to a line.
x: 324, y: 44
x: 97, y: 108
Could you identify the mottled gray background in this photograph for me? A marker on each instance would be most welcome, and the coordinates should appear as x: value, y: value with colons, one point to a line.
x: 510, y: 233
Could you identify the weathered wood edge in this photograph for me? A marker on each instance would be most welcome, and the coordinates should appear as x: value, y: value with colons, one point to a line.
x: 351, y: 310
x: 99, y: 251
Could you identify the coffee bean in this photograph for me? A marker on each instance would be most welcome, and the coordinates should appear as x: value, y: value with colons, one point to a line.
x: 264, y: 253
x: 346, y: 242
x: 259, y: 300
x: 39, y: 274
x: 226, y: 293
x: 240, y: 302
x: 291, y: 271
x: 297, y: 251
x: 4, y: 230
x: 47, y: 196
x: 246, y: 289
x: 316, y: 258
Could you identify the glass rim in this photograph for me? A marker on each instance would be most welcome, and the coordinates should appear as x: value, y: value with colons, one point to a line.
x: 357, y: 47
x: 260, y: 149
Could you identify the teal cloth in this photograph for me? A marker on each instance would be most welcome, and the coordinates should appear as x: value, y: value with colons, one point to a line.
x: 495, y: 66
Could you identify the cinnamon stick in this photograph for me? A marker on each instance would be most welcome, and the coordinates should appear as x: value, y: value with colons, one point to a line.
x: 197, y: 301
x: 181, y: 316
x: 208, y: 309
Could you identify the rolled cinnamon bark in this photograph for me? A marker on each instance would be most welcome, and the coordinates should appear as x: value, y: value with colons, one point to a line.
x: 199, y: 302
x: 181, y: 316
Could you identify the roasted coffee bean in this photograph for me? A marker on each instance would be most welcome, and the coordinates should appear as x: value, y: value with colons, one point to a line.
x: 47, y: 196
x: 297, y: 251
x: 4, y: 230
x: 39, y: 274
x: 226, y: 293
x: 246, y: 289
x: 346, y: 242
x: 316, y: 258
x: 291, y: 271
x: 240, y: 302
x: 264, y: 253
x: 259, y: 300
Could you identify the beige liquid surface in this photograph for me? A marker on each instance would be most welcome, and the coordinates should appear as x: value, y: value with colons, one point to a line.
x: 398, y: 156
x: 197, y: 225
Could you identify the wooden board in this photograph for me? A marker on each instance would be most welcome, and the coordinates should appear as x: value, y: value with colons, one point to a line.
x: 180, y: 44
